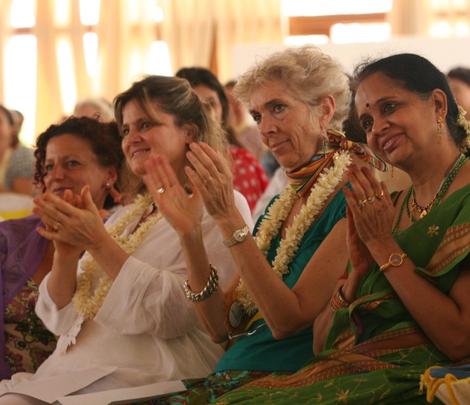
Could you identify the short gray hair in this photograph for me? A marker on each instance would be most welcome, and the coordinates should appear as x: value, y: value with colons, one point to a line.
x: 307, y: 72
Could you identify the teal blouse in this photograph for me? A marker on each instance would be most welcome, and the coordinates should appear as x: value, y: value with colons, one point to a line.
x: 261, y: 351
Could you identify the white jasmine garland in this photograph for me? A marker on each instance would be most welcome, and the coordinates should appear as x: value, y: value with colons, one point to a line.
x: 463, y: 122
x: 324, y: 187
x: 87, y: 302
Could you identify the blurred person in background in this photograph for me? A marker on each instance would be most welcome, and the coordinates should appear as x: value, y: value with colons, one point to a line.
x: 243, y: 126
x: 97, y: 108
x: 16, y: 160
x: 459, y: 81
x: 248, y: 175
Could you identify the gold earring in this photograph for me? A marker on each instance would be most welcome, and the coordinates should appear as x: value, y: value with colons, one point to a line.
x: 439, y: 128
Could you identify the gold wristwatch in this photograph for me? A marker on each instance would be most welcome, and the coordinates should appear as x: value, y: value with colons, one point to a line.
x: 238, y: 236
x: 395, y: 260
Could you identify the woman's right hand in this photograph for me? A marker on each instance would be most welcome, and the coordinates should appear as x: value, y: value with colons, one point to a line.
x: 212, y: 176
x: 359, y: 255
x: 360, y: 259
x: 60, y: 247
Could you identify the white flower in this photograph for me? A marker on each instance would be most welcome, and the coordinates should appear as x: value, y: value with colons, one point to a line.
x: 324, y: 187
x: 88, y: 302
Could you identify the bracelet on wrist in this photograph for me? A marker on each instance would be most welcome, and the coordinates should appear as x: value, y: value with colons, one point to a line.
x: 338, y: 300
x: 394, y: 260
x: 210, y: 288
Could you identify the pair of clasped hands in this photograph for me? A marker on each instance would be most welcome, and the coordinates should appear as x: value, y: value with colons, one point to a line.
x: 71, y: 221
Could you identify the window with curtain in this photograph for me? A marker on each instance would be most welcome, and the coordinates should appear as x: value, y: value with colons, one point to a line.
x: 450, y: 18
x: 56, y: 52
x: 340, y: 21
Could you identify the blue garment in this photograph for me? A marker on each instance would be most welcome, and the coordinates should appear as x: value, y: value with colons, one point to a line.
x: 261, y: 351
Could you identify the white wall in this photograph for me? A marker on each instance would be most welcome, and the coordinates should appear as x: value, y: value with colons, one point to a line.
x: 444, y: 53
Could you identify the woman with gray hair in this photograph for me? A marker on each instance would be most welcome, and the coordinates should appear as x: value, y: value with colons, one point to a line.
x: 298, y: 99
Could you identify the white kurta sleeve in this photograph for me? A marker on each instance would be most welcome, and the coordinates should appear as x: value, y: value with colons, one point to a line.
x: 145, y: 299
x: 148, y: 296
x: 58, y: 321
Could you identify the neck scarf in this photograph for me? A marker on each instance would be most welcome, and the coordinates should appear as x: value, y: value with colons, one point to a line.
x: 303, y: 178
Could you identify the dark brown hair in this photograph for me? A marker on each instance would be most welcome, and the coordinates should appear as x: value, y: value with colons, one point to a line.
x: 103, y: 139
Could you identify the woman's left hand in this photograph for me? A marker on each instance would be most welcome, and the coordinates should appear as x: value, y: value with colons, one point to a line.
x: 371, y: 206
x: 79, y: 224
x: 212, y: 176
x: 182, y: 210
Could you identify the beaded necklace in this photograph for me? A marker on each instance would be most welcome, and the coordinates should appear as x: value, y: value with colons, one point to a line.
x: 411, y: 204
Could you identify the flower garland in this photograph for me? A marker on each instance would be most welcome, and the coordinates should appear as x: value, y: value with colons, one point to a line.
x: 463, y: 122
x: 87, y: 302
x: 278, y: 212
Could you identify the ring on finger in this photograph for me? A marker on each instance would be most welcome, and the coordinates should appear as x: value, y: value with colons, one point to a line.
x: 362, y: 203
x: 56, y: 226
x: 161, y: 190
x: 370, y: 199
x: 380, y: 195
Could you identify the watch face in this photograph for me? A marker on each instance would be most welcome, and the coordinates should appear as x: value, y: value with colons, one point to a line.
x: 240, y: 234
x: 396, y: 259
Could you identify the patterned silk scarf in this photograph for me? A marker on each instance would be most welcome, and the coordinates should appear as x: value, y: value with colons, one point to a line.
x: 304, y: 177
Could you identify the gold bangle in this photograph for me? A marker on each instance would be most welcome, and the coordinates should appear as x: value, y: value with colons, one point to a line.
x: 338, y: 301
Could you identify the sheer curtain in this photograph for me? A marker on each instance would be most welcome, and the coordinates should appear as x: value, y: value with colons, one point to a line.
x: 48, y: 96
x: 4, y: 24
x: 198, y: 31
x: 201, y: 33
x: 126, y: 31
x: 241, y: 22
x: 421, y: 17
x: 410, y: 17
x: 188, y: 28
x: 75, y: 35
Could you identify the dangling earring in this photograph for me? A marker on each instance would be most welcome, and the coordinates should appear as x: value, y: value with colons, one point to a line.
x: 439, y: 129
x: 325, y: 145
x: 113, y: 193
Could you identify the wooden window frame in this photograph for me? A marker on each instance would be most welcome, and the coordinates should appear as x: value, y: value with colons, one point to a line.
x: 321, y: 25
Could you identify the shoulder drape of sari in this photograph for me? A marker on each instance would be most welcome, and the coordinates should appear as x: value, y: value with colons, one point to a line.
x: 21, y: 251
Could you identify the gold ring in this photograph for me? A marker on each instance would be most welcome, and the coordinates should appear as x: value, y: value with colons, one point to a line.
x: 56, y: 226
x: 362, y: 203
x: 370, y: 199
x: 380, y: 195
x: 161, y: 190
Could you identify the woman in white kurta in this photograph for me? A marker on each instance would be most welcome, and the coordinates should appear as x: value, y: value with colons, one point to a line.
x: 123, y: 318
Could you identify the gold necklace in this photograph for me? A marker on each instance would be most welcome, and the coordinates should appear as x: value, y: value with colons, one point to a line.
x: 421, y: 212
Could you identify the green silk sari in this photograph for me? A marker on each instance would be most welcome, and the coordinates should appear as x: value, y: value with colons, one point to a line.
x: 375, y: 352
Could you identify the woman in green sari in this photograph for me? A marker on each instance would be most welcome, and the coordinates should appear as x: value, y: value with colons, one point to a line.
x: 404, y: 304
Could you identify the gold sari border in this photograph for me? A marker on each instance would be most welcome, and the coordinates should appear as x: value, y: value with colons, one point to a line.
x: 456, y: 242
